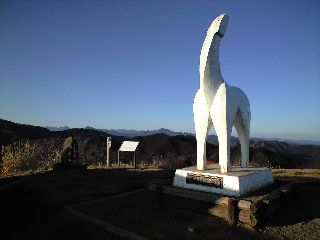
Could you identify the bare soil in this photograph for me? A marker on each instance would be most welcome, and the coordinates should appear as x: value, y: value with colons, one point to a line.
x: 300, y: 220
x: 33, y: 207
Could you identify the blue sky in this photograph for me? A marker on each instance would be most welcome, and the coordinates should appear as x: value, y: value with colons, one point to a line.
x: 134, y: 64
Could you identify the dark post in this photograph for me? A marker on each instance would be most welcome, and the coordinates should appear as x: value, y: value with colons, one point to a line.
x: 118, y: 158
x: 1, y: 158
x: 134, y: 159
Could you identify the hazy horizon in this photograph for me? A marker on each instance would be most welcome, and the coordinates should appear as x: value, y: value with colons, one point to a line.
x: 134, y: 64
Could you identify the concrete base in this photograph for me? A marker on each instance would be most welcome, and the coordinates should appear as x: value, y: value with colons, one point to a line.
x: 238, y: 182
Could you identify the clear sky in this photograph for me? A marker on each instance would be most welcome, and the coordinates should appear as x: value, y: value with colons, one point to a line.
x: 134, y: 64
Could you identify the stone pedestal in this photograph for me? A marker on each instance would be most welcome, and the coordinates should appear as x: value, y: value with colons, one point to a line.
x: 238, y: 182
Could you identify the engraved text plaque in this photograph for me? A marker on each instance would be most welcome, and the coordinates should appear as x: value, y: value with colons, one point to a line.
x: 204, y: 180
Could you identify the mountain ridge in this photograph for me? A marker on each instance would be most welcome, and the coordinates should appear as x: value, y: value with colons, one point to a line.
x: 135, y: 133
x: 211, y: 138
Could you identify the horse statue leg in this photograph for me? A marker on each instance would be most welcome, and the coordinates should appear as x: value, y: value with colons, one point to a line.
x: 242, y: 125
x: 203, y: 124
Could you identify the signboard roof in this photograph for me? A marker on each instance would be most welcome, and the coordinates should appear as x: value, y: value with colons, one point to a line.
x: 128, y: 146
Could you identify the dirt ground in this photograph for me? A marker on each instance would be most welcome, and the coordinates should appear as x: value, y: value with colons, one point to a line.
x: 135, y: 214
x: 300, y: 220
x: 33, y: 207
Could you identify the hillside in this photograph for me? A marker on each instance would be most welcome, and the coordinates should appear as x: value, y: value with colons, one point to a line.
x: 30, y: 148
x: 10, y: 132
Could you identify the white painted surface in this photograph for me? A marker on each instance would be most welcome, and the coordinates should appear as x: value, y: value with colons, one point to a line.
x: 128, y: 146
x: 238, y: 182
x: 216, y: 103
x: 222, y: 106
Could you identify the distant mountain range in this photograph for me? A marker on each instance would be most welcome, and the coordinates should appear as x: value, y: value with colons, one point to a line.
x: 211, y: 138
x: 127, y: 133
x: 161, y: 146
x: 292, y: 141
x: 55, y: 129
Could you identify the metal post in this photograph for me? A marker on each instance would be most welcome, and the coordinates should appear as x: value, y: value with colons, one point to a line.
x: 108, y: 162
x: 108, y: 149
x: 118, y: 158
x: 134, y: 159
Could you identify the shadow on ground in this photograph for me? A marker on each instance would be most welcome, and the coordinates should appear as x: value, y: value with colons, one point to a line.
x: 35, y: 207
x: 4, y: 182
x: 305, y: 208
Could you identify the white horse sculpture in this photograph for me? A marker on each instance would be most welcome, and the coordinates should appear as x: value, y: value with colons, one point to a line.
x: 216, y: 103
